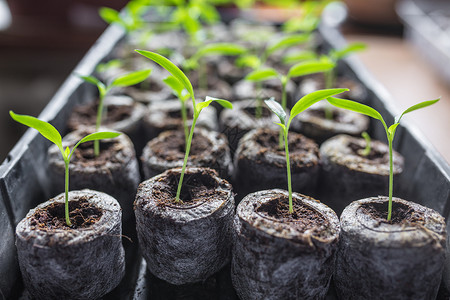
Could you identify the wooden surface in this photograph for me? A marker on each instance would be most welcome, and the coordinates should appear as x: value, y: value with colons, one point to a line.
x: 407, y: 76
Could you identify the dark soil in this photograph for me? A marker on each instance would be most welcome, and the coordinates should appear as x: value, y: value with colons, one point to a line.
x: 296, y: 143
x: 176, y: 114
x: 82, y: 214
x: 87, y: 114
x: 302, y: 219
x: 84, y: 154
x: 401, y: 213
x: 251, y: 111
x: 197, y: 188
x: 173, y: 147
x: 373, y: 155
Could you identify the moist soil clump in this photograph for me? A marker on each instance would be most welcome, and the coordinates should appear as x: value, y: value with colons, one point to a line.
x: 85, y: 155
x: 401, y: 213
x: 302, y: 219
x: 174, y: 146
x: 82, y: 214
x: 87, y: 114
x: 374, y: 155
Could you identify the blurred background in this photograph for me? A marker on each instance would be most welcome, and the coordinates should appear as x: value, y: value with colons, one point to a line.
x: 42, y: 41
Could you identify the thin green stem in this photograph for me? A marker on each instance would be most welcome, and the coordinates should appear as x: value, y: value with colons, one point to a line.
x: 188, y: 148
x: 367, y: 149
x: 184, y: 118
x: 66, y: 164
x: 258, y: 111
x: 283, y: 104
x: 97, y: 125
x: 329, y: 79
x: 288, y: 167
x: 391, y: 179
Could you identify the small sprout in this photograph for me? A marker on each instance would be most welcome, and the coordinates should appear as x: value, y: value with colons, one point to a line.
x: 367, y: 149
x: 299, y: 69
x: 301, y: 105
x: 390, y: 131
x: 128, y: 79
x: 49, y: 132
x: 198, y: 107
x: 132, y: 18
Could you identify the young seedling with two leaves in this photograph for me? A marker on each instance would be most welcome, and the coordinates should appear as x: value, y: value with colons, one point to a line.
x: 390, y: 131
x: 132, y: 17
x: 49, y: 132
x: 299, y: 69
x: 198, y: 107
x: 301, y: 105
x: 128, y: 79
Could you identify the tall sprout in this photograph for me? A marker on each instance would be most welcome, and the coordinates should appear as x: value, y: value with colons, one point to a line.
x: 390, y: 131
x: 301, y: 105
x: 198, y: 107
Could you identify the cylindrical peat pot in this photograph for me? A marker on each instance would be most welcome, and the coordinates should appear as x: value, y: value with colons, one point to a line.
x: 278, y: 255
x: 347, y: 175
x: 400, y: 259
x: 261, y: 164
x: 84, y: 261
x: 115, y: 171
x: 121, y: 113
x: 188, y: 241
x: 313, y: 123
x: 209, y: 149
x: 166, y: 115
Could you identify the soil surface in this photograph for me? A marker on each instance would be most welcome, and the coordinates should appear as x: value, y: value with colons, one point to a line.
x: 173, y: 147
x: 196, y: 189
x: 82, y: 214
x: 302, y: 219
x: 401, y: 213
x: 84, y: 154
x: 336, y: 115
x: 251, y: 111
x: 87, y: 114
x: 374, y: 154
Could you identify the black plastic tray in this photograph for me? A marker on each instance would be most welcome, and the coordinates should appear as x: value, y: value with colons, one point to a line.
x: 23, y: 184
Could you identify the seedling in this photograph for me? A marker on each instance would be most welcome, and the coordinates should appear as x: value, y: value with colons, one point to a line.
x: 390, y: 131
x: 198, y: 107
x: 103, y: 89
x: 368, y: 147
x: 49, y: 132
x: 299, y: 69
x: 301, y: 105
x: 132, y: 18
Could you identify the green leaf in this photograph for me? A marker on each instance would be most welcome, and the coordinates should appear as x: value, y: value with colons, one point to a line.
x: 355, y: 106
x: 286, y: 42
x: 220, y: 49
x: 109, y: 15
x: 311, y: 98
x: 354, y: 47
x: 131, y: 78
x: 251, y: 61
x: 92, y: 80
x: 170, y: 67
x: 277, y: 109
x: 261, y: 75
x: 416, y: 107
x: 111, y: 64
x: 46, y: 129
x: 209, y: 13
x: 175, y: 85
x: 391, y: 130
x: 208, y: 100
x: 299, y: 56
x: 310, y: 67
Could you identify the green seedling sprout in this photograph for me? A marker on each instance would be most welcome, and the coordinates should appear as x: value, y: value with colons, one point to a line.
x: 301, y: 105
x: 198, y: 107
x: 131, y: 19
x: 390, y: 131
x: 196, y: 62
x: 368, y: 147
x: 49, y: 132
x: 299, y: 69
x: 103, y: 89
